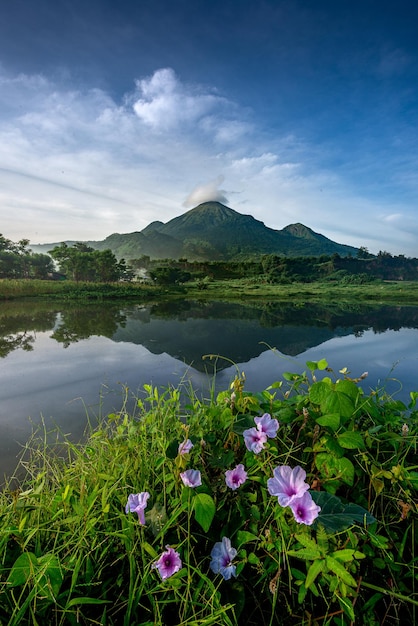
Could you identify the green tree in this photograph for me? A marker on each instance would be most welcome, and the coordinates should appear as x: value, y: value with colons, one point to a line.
x: 82, y: 263
x: 169, y: 275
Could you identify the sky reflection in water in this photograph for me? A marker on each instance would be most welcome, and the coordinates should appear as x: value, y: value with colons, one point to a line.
x: 64, y: 384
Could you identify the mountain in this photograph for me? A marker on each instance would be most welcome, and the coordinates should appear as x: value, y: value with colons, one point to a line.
x: 213, y: 231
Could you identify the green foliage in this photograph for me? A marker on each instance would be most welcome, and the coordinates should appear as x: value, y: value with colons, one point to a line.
x: 18, y: 261
x: 70, y: 554
x: 82, y: 263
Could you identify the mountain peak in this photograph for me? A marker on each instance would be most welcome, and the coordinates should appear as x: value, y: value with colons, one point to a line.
x: 300, y: 230
x: 212, y: 231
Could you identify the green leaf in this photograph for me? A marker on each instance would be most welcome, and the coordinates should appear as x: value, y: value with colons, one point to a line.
x: 314, y: 570
x: 319, y: 392
x: 23, y: 569
x: 243, y: 536
x: 349, y: 388
x: 340, y: 571
x: 414, y: 396
x: 345, y: 470
x: 253, y: 559
x: 331, y: 421
x: 347, y: 555
x: 52, y: 577
x: 306, y: 541
x: 84, y: 600
x: 335, y: 467
x: 204, y: 510
x: 337, y: 402
x: 336, y: 516
x: 302, y: 593
x: 351, y: 439
x: 347, y: 607
x: 317, y: 365
x: 307, y: 554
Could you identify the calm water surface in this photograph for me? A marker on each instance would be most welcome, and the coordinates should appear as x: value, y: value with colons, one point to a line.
x: 61, y: 363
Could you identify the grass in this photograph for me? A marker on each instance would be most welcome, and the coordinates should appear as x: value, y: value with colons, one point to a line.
x: 48, y: 289
x: 389, y: 292
x: 71, y: 554
x: 405, y: 292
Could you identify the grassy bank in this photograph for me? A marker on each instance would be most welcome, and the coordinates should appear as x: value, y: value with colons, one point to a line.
x: 386, y: 292
x: 292, y: 506
x: 390, y: 292
x: 67, y: 289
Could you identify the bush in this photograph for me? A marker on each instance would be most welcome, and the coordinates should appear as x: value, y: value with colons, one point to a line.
x: 289, y: 506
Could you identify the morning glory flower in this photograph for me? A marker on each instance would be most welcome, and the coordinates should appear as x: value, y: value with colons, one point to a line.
x: 185, y: 447
x: 254, y: 439
x: 168, y: 564
x: 137, y: 503
x: 222, y: 555
x: 236, y: 477
x: 191, y: 478
x: 304, y: 509
x: 267, y: 425
x: 287, y: 484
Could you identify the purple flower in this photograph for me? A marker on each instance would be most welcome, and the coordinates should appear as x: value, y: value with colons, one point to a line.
x: 304, y: 509
x: 236, y: 477
x: 185, y: 447
x: 222, y: 555
x: 267, y: 425
x: 287, y: 484
x: 137, y: 503
x: 254, y: 439
x: 191, y: 478
x: 168, y: 564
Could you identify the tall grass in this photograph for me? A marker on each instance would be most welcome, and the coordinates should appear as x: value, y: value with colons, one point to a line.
x: 405, y: 292
x: 12, y: 289
x: 71, y: 554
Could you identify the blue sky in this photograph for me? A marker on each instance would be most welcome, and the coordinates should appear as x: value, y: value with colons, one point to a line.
x: 115, y: 113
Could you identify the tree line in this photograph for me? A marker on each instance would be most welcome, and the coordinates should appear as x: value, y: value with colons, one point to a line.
x: 18, y: 261
x: 81, y: 262
x: 78, y: 262
x: 275, y: 269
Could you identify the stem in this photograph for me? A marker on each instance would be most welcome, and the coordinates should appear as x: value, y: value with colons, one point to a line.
x: 386, y: 592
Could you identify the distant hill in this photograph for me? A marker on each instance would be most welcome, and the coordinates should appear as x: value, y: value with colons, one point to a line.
x: 211, y: 232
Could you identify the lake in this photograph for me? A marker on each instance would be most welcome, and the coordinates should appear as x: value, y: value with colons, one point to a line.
x: 64, y: 362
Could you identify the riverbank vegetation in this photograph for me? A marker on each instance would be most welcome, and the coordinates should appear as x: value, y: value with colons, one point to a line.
x: 293, y: 506
x: 86, y: 273
x: 397, y: 292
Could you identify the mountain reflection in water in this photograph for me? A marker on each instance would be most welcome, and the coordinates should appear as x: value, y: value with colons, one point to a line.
x: 60, y: 360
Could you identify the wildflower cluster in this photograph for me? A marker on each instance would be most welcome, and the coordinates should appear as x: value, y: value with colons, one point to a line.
x: 288, y: 485
x: 256, y: 437
x: 291, y: 490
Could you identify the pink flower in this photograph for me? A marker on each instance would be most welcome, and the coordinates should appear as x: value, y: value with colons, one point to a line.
x: 304, y: 509
x: 288, y: 484
x: 185, y: 447
x: 267, y: 425
x: 191, y: 478
x: 137, y: 503
x: 254, y: 439
x: 168, y: 564
x: 236, y: 477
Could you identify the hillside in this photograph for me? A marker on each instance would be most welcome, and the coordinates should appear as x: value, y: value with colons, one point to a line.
x: 213, y: 231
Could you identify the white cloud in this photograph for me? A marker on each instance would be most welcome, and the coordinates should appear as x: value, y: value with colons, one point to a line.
x: 76, y: 164
x: 207, y: 192
x: 163, y: 103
